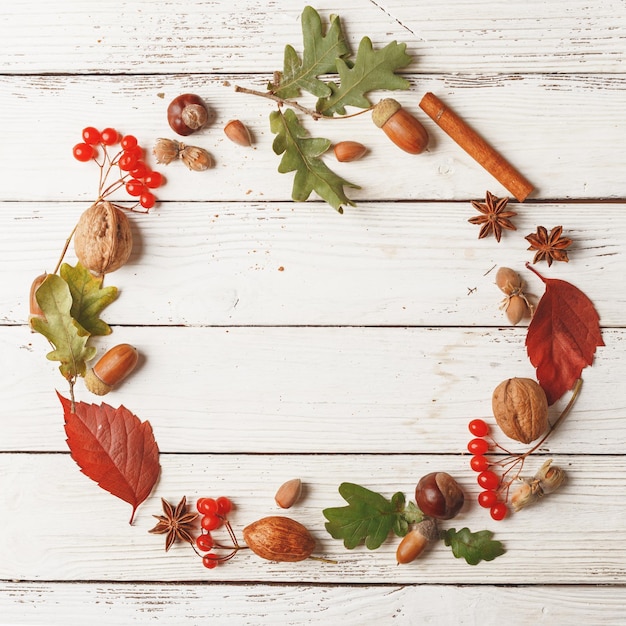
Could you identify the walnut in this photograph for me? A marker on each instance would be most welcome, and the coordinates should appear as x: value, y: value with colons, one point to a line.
x: 520, y: 407
x: 103, y: 240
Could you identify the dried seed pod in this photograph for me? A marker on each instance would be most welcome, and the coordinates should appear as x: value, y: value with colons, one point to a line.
x: 346, y: 151
x: 114, y: 366
x: 278, y: 538
x: 238, y: 132
x: 196, y: 159
x: 526, y: 494
x: 288, y: 493
x: 35, y: 309
x: 103, y: 240
x: 166, y: 150
x: 509, y: 281
x: 400, y: 126
x: 550, y: 477
x: 520, y: 407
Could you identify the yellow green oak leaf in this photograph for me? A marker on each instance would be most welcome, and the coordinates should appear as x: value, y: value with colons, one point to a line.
x: 319, y: 56
x: 301, y: 154
x: 88, y: 298
x: 58, y: 326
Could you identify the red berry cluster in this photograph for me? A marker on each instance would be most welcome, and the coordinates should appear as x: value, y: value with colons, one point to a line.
x: 214, y: 513
x: 490, y: 497
x: 134, y: 174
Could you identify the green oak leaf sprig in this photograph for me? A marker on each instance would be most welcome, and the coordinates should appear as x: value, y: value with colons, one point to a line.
x: 370, y: 518
x: 326, y: 54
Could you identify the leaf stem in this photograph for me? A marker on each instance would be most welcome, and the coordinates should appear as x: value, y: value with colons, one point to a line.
x: 64, y: 251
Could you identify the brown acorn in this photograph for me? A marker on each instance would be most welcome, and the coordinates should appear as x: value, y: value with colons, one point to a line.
x: 35, y: 309
x: 400, y: 126
x: 114, y: 366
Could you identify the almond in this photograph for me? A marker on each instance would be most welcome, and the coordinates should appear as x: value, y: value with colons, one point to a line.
x: 288, y: 493
x: 278, y: 538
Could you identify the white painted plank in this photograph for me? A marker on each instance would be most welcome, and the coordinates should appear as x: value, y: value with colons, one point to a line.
x: 407, y: 264
x: 450, y: 36
x: 124, y: 604
x: 309, y: 390
x: 59, y: 526
x: 563, y: 132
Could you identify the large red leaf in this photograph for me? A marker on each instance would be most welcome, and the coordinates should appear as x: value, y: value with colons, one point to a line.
x: 562, y: 336
x: 114, y: 448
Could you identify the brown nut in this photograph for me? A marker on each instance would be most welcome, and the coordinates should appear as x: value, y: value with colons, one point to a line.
x: 517, y: 309
x: 509, y: 281
x: 166, y: 150
x: 278, y: 538
x: 415, y: 541
x: 237, y: 131
x: 103, y: 240
x: 520, y: 407
x: 438, y: 495
x: 288, y: 493
x: 400, y: 126
x: 346, y: 151
x: 187, y: 113
x: 196, y: 159
x: 35, y: 309
x: 114, y: 366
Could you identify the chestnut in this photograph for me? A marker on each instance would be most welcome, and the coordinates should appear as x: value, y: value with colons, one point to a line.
x: 187, y: 113
x: 438, y: 495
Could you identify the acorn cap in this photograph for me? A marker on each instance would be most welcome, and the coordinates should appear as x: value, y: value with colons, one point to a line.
x: 384, y: 110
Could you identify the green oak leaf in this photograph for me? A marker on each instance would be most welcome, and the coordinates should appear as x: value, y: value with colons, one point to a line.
x: 88, y: 298
x: 369, y: 517
x: 61, y: 329
x: 372, y: 70
x: 301, y: 154
x: 473, y: 547
x: 319, y: 57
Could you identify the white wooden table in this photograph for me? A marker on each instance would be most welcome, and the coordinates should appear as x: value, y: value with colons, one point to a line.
x: 284, y: 340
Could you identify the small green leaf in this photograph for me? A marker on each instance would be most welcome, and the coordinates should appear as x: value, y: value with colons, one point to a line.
x: 319, y: 57
x: 473, y: 547
x: 372, y: 70
x: 61, y: 329
x: 369, y: 517
x: 88, y: 298
x: 301, y: 154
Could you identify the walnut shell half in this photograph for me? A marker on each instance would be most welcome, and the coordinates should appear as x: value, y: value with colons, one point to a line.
x: 103, y: 240
x: 520, y: 407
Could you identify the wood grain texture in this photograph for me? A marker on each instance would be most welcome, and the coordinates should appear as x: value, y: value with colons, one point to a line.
x: 284, y: 340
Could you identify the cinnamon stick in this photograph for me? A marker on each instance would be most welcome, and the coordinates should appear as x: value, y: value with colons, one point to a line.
x: 476, y: 146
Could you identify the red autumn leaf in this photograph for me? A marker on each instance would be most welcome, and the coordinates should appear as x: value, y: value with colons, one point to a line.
x: 114, y: 448
x: 562, y: 336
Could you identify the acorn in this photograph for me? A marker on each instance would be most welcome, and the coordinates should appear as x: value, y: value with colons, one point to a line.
x: 35, y: 309
x: 114, y: 366
x: 400, y: 126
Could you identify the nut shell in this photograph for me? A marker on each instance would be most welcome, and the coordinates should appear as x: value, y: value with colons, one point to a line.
x: 278, y: 538
x: 103, y: 239
x: 520, y: 407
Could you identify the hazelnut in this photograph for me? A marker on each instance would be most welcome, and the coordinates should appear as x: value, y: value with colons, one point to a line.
x: 346, y: 151
x: 166, y: 150
x: 187, y: 113
x: 237, y: 131
x: 196, y: 159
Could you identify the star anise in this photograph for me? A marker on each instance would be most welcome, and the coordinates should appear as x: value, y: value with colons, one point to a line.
x: 493, y: 217
x: 549, y: 247
x: 177, y: 523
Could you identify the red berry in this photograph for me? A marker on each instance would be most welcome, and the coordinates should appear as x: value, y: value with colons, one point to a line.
x: 478, y: 428
x: 109, y: 136
x: 478, y: 446
x: 128, y: 141
x: 210, y: 560
x: 210, y: 522
x: 498, y: 511
x: 204, y: 542
x: 83, y: 152
x: 91, y: 135
x: 147, y: 200
x: 488, y: 480
x: 487, y: 499
x: 140, y: 170
x: 153, y: 179
x: 206, y: 506
x: 224, y: 505
x: 135, y: 187
x: 127, y: 161
x: 479, y: 463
